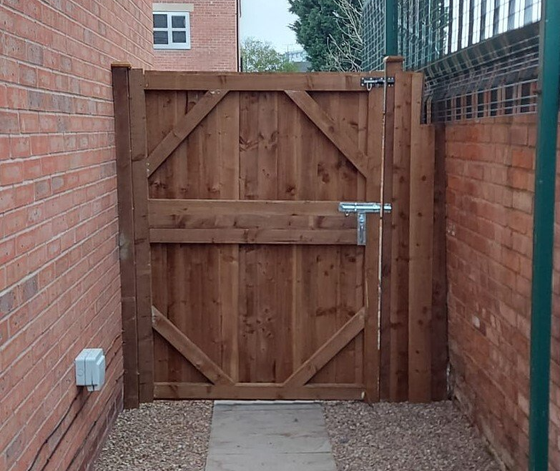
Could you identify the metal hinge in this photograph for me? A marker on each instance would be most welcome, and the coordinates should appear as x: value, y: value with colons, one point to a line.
x: 376, y: 82
x: 361, y: 210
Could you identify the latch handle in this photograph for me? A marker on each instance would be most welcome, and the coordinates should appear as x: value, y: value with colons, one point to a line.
x: 361, y: 210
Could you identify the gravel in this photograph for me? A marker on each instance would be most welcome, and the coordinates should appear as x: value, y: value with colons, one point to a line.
x: 164, y: 435
x: 174, y: 436
x: 404, y: 437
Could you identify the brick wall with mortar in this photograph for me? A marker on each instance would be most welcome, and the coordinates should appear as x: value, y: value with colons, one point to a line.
x: 214, y: 39
x: 490, y: 172
x: 59, y: 268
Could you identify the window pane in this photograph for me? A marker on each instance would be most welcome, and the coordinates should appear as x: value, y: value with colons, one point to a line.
x: 179, y: 37
x: 178, y: 22
x: 160, y: 21
x: 160, y: 37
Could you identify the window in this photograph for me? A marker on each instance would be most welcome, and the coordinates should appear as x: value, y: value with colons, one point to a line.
x: 172, y: 30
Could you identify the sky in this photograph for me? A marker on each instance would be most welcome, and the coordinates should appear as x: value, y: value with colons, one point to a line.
x: 268, y: 20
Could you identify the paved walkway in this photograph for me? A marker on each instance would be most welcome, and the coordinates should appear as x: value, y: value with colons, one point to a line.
x: 269, y: 436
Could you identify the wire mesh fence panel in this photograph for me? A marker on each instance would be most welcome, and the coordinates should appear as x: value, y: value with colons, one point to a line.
x: 374, y: 34
x: 480, y: 57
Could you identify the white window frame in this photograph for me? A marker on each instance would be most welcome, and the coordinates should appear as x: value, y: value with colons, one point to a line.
x: 170, y: 30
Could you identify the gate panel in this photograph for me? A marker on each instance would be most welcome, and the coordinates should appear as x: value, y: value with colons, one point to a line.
x: 259, y: 289
x: 257, y: 312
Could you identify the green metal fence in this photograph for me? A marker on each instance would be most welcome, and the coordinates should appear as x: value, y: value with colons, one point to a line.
x: 421, y: 32
x: 480, y: 56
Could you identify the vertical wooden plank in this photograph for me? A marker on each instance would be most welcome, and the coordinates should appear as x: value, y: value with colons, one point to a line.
x: 299, y: 161
x: 141, y: 236
x: 126, y: 233
x: 421, y: 240
x: 326, y: 316
x: 373, y: 247
x: 248, y: 139
x: 228, y: 263
x: 289, y: 157
x: 176, y: 285
x: 194, y: 181
x: 160, y: 295
x: 439, y: 299
x: 284, y: 306
x: 400, y: 239
x: 353, y: 258
x: 248, y: 179
x: 172, y: 177
x: 266, y: 281
x: 201, y: 315
x: 209, y: 324
x: 306, y: 262
x: 353, y: 115
x: 392, y: 66
x: 154, y: 134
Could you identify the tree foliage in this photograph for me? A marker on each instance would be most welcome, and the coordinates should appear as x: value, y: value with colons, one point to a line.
x: 346, y: 54
x: 328, y: 32
x: 260, y: 56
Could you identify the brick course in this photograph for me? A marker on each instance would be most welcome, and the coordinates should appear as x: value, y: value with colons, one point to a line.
x: 490, y: 168
x: 59, y: 269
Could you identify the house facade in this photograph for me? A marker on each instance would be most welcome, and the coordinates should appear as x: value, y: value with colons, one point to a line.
x: 59, y: 249
x: 200, y: 35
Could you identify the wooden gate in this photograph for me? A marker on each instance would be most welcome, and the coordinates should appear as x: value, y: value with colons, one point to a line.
x: 244, y: 280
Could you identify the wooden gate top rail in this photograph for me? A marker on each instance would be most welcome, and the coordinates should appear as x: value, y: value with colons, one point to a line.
x: 202, y: 81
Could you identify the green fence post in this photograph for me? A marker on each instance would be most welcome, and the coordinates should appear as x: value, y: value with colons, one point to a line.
x: 391, y: 27
x: 543, y: 235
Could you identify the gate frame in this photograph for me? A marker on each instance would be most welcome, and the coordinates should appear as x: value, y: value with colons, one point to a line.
x: 408, y: 361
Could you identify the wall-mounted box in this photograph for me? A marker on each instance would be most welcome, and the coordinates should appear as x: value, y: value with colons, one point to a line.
x: 90, y: 368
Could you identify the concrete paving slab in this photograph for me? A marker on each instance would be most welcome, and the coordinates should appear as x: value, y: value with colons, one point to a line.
x: 276, y: 437
x: 272, y: 462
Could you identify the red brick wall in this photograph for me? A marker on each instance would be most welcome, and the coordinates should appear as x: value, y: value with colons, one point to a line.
x: 214, y: 43
x: 59, y: 269
x: 490, y: 171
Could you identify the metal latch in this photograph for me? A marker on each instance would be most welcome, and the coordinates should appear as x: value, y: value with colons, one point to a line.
x: 361, y: 210
x: 371, y: 82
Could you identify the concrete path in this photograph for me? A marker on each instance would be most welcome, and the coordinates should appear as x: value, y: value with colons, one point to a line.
x: 269, y: 436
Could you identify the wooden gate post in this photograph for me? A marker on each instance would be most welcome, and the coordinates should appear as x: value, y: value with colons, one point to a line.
x: 134, y: 248
x: 139, y: 153
x: 388, y: 342
x: 407, y: 339
x: 126, y: 232
x: 375, y: 144
x: 420, y: 268
x: 440, y: 355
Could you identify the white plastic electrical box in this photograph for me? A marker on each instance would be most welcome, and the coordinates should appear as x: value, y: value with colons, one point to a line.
x: 90, y: 368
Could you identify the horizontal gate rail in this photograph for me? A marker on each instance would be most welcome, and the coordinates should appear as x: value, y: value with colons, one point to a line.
x: 253, y: 236
x: 169, y: 210
x: 324, y: 81
x: 249, y: 222
x: 241, y: 391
